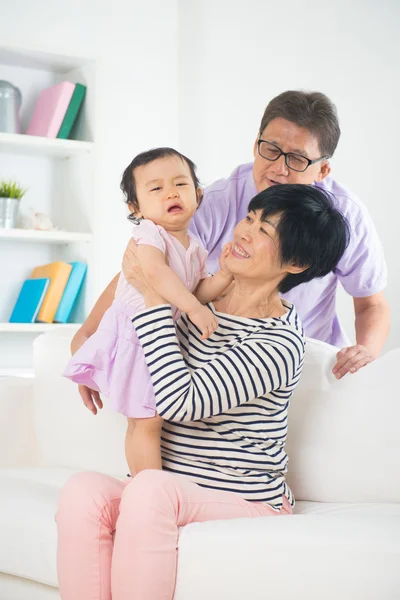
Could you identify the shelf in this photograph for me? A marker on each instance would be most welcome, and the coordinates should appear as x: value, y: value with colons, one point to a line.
x: 16, y: 372
x: 33, y: 327
x: 30, y: 58
x: 33, y: 145
x: 51, y: 237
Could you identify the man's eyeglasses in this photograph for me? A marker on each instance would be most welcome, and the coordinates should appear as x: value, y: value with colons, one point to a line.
x: 295, y: 162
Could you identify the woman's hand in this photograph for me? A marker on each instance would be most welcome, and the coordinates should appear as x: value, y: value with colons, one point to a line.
x: 134, y: 274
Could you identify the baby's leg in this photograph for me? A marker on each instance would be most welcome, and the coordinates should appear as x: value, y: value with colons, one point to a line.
x: 130, y: 430
x: 142, y: 444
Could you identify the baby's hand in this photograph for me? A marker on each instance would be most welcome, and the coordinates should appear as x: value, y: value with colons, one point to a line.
x: 205, y: 320
x: 226, y: 250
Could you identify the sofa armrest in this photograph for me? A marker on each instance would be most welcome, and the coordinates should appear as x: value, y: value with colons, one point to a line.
x: 18, y: 445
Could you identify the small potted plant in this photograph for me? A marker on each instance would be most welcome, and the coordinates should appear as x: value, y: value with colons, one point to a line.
x: 10, y: 196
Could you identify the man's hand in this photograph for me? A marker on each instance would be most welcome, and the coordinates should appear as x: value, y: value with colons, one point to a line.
x: 351, y: 359
x: 90, y: 398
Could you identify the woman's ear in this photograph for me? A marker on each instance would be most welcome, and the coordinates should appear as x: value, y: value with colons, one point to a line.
x: 295, y: 270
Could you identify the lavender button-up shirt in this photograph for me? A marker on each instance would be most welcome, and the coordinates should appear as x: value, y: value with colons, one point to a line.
x: 361, y: 270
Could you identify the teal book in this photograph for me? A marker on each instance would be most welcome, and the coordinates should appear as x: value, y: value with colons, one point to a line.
x: 71, y: 292
x: 29, y: 301
x: 72, y: 111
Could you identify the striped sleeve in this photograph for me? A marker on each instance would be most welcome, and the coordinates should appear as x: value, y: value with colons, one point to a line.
x: 252, y: 368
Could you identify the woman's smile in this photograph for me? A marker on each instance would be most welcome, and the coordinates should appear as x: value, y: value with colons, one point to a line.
x: 239, y: 252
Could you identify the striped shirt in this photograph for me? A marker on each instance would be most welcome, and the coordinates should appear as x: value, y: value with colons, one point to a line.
x: 225, y: 400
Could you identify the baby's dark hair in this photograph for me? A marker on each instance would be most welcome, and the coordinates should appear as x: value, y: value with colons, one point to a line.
x: 128, y: 184
x: 312, y: 233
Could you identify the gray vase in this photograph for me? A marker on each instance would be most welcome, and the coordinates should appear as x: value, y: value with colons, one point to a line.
x: 10, y: 103
x: 8, y: 212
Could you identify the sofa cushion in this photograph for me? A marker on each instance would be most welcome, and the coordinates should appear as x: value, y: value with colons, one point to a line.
x: 28, y: 500
x: 305, y: 557
x: 344, y: 435
x: 350, y: 537
x: 19, y: 588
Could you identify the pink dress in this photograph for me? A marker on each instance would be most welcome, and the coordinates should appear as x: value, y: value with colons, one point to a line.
x: 111, y: 361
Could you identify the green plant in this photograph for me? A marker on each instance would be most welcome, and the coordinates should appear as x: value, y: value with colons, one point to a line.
x: 11, y: 189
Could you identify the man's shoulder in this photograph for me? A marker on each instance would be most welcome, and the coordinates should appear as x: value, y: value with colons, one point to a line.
x: 238, y: 178
x: 344, y: 198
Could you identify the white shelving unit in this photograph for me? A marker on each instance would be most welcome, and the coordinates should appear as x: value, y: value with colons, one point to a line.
x: 59, y: 177
x: 31, y: 145
x: 49, y: 237
x: 16, y: 372
x: 35, y: 328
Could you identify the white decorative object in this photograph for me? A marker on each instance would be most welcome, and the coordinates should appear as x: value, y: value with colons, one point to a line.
x: 37, y: 220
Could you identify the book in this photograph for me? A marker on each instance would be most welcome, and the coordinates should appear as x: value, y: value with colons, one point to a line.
x: 72, y: 111
x: 58, y: 273
x: 50, y: 109
x: 71, y: 292
x: 30, y: 300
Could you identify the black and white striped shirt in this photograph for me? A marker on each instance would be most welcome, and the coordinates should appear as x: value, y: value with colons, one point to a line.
x: 225, y: 399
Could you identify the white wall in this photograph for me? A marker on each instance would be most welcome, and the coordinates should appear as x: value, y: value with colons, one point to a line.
x: 235, y: 56
x: 203, y: 87
x: 134, y: 44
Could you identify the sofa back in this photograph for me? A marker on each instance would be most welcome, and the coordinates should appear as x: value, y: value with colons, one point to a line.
x: 68, y: 434
x: 343, y: 440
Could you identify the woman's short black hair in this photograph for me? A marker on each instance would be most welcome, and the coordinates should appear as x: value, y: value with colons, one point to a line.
x: 312, y: 233
x: 128, y: 184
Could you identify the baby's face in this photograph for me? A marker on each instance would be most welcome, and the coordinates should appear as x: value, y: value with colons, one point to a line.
x: 166, y: 193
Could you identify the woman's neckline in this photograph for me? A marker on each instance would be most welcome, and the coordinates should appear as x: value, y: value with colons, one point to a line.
x: 284, y: 317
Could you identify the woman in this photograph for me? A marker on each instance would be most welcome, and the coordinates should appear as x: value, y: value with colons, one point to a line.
x: 224, y: 401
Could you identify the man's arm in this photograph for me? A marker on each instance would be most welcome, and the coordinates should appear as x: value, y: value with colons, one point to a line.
x: 90, y: 398
x: 92, y: 322
x: 372, y: 323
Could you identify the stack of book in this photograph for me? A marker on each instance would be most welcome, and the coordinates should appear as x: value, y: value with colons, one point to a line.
x: 50, y: 293
x: 56, y: 110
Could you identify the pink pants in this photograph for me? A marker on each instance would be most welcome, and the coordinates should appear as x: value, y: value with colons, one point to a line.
x: 119, y: 539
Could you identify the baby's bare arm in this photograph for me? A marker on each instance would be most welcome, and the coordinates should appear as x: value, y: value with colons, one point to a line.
x: 164, y: 280
x: 212, y: 287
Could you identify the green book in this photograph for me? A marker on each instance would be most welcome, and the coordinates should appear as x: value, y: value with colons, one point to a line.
x: 72, y: 111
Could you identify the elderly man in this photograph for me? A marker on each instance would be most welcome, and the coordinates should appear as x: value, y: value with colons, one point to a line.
x: 298, y: 135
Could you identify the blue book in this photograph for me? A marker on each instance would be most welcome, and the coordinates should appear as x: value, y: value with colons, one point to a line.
x: 71, y: 292
x: 30, y: 300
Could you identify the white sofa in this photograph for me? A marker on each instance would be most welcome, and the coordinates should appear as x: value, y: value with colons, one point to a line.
x: 344, y: 447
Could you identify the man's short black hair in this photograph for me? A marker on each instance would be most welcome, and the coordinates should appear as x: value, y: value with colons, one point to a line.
x: 310, y: 110
x: 312, y: 233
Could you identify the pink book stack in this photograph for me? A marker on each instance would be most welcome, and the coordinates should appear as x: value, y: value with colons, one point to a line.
x: 50, y: 110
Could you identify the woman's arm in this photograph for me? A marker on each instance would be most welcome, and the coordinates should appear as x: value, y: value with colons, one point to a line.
x: 92, y: 322
x: 270, y: 361
x: 252, y: 368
